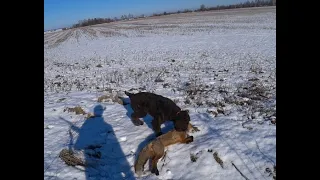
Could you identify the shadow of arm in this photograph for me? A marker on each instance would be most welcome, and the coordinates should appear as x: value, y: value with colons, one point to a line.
x: 72, y: 126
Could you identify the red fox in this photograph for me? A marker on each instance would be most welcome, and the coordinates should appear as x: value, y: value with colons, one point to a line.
x: 155, y: 149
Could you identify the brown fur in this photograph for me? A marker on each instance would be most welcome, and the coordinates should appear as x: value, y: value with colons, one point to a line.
x: 160, y: 108
x: 155, y: 149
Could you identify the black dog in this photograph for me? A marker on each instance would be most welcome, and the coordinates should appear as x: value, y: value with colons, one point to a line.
x: 160, y: 108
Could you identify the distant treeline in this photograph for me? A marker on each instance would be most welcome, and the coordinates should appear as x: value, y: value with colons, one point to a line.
x: 88, y: 22
x: 255, y: 3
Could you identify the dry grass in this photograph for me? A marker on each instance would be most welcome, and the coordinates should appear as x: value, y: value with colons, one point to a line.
x: 90, y: 31
x: 104, y: 97
x: 68, y: 157
x: 217, y: 158
x: 77, y: 110
x: 107, y: 33
x: 110, y: 97
x: 175, y: 23
x: 61, y: 99
x: 193, y: 158
x: 62, y: 38
x: 90, y: 115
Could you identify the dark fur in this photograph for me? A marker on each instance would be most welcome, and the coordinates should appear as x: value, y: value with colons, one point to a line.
x: 160, y: 108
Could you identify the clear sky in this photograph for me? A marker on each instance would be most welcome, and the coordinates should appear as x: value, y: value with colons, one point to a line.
x: 64, y: 13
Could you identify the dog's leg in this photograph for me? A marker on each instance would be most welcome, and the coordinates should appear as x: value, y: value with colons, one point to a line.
x: 156, y: 124
x: 135, y: 117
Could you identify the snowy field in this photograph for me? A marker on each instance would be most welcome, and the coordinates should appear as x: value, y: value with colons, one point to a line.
x: 220, y: 65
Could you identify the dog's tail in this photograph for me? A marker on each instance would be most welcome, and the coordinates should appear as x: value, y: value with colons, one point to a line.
x: 128, y: 94
x: 143, y: 156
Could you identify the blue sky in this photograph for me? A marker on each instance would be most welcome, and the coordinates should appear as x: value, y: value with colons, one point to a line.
x: 64, y: 13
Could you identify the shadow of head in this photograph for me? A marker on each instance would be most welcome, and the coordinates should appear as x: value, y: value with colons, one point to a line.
x: 98, y: 110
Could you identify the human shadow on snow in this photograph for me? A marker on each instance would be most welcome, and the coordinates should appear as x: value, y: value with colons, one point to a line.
x: 103, y: 155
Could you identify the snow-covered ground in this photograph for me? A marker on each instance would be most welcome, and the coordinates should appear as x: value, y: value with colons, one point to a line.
x: 220, y: 65
x: 52, y: 31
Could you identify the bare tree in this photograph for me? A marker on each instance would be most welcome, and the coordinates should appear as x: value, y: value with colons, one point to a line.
x: 202, y: 7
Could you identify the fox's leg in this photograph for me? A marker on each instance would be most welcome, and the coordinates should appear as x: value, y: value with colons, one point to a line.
x: 135, y: 117
x: 192, y: 128
x: 154, y: 168
x: 182, y: 137
x: 187, y: 140
x: 158, y: 149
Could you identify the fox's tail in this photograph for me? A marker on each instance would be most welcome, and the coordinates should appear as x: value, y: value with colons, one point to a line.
x: 143, y: 156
